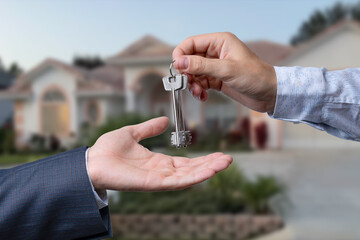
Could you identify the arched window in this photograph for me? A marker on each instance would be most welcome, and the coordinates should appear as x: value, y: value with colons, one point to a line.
x: 55, y: 116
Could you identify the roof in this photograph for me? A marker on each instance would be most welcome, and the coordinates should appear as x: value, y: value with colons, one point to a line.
x: 270, y: 52
x: 147, y: 46
x: 103, y: 79
x: 324, y: 35
x: 146, y: 49
x: 150, y: 47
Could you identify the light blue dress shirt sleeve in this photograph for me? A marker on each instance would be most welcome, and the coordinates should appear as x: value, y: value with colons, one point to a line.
x: 100, y: 196
x: 326, y: 100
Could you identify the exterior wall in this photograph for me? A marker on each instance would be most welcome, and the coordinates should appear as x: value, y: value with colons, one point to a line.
x: 193, y: 110
x: 340, y: 50
x: 50, y: 77
x: 133, y: 75
x: 108, y: 106
x: 18, y: 121
x: 115, y: 107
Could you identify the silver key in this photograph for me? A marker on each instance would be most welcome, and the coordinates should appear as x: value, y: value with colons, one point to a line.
x: 176, y: 83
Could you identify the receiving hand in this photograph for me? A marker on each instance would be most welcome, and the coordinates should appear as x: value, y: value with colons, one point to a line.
x: 118, y: 162
x: 221, y: 61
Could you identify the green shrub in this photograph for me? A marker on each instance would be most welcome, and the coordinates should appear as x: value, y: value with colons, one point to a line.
x: 258, y: 193
x: 227, y: 192
x: 7, y: 140
x: 229, y: 184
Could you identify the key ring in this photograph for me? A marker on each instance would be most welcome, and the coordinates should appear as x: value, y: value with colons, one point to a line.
x: 171, y: 65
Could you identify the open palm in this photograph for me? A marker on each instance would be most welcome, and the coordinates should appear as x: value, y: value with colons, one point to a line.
x: 118, y: 162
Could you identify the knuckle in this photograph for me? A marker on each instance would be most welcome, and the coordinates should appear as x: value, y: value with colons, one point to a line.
x: 197, y: 65
x: 229, y: 35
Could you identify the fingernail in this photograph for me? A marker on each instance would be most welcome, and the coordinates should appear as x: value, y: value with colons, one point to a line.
x: 182, y: 63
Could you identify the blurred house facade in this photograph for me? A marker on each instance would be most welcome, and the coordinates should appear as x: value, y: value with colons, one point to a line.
x: 57, y: 99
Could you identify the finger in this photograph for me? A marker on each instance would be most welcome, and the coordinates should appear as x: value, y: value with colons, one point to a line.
x: 197, y: 65
x: 149, y: 128
x: 196, y: 90
x: 217, y: 163
x: 203, y: 96
x: 208, y: 44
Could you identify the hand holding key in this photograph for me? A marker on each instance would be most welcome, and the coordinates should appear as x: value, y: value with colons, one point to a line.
x: 222, y: 62
x: 176, y: 83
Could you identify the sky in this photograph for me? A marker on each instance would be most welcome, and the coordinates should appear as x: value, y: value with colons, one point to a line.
x: 33, y: 30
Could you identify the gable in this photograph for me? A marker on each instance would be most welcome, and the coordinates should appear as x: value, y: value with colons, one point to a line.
x: 335, y: 49
x: 52, y: 75
x: 146, y: 46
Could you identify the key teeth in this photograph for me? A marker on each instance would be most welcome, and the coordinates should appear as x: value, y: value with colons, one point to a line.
x: 184, y: 139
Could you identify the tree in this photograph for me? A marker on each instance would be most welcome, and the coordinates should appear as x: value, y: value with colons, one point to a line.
x: 88, y: 62
x: 14, y: 70
x: 355, y: 12
x: 319, y: 20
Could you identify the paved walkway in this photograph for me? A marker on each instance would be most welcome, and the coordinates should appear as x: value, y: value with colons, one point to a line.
x: 284, y: 234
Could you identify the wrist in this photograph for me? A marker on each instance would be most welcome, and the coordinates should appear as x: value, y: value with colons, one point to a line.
x: 267, y: 89
x: 92, y: 169
x: 272, y: 79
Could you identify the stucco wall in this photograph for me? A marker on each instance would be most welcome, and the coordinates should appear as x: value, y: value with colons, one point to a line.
x: 50, y: 77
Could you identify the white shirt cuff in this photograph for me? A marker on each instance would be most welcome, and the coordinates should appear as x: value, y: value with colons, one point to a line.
x: 100, y: 195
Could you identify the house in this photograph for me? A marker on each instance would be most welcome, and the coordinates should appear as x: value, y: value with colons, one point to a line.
x: 56, y: 98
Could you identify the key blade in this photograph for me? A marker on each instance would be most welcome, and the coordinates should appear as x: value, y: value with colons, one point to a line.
x: 183, y: 79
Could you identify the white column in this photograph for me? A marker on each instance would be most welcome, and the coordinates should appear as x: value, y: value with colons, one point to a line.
x: 130, y: 101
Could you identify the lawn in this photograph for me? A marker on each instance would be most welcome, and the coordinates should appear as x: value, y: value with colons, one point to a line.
x: 19, y: 158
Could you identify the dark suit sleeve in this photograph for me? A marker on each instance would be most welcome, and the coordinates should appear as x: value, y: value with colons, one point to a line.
x: 51, y: 199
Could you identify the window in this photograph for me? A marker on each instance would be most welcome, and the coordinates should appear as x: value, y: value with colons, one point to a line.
x: 55, y: 116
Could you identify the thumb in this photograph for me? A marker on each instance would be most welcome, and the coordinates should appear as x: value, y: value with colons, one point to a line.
x: 150, y: 128
x: 197, y: 65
